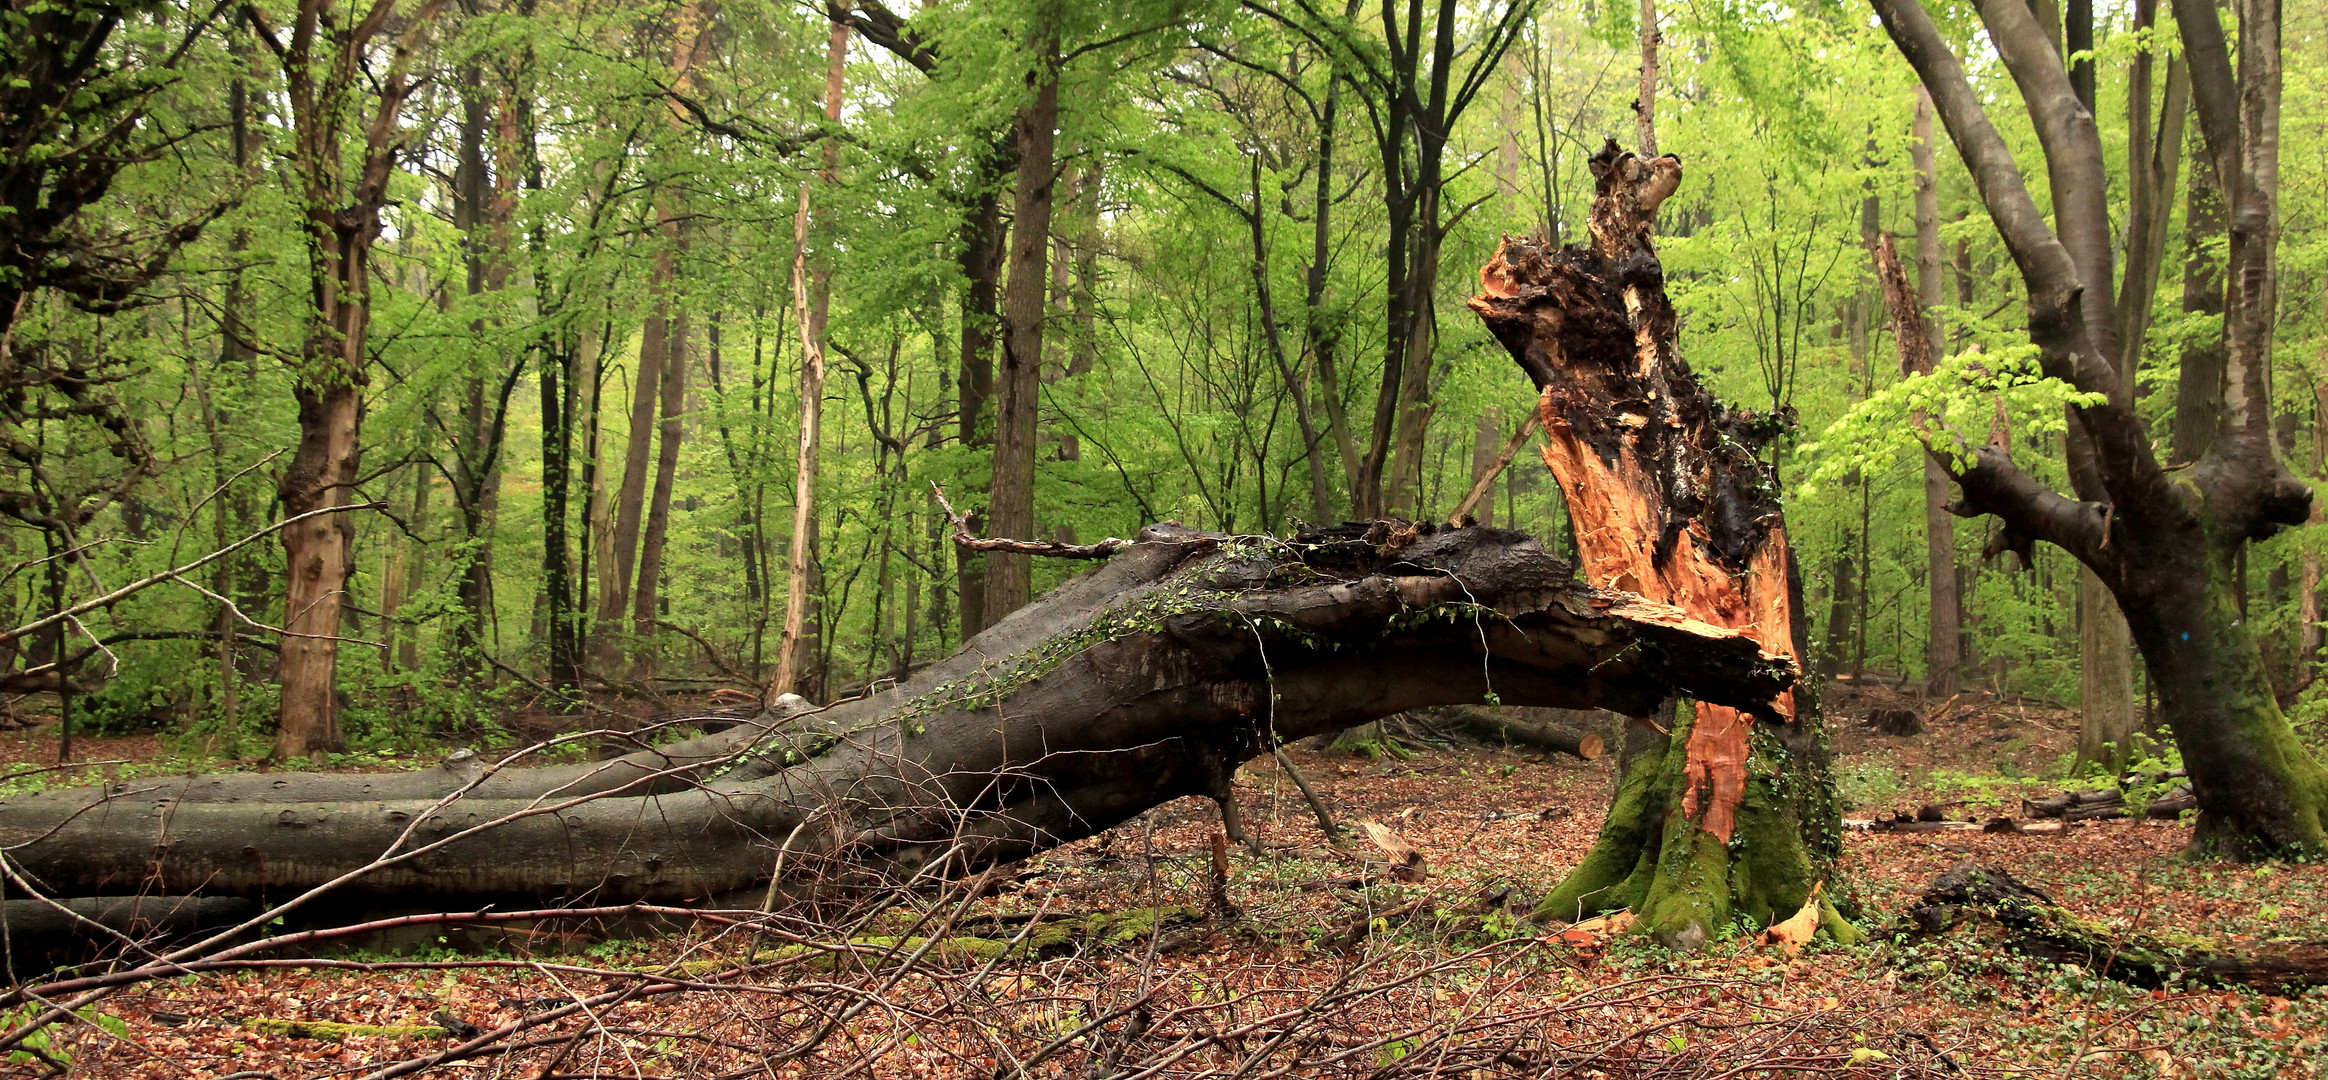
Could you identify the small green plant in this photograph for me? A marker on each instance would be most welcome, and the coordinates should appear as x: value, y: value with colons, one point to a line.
x: 42, y: 1045
x: 1868, y: 782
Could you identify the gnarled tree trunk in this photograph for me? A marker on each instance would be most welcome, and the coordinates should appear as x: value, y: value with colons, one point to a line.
x: 2167, y: 543
x: 1719, y: 818
x: 1148, y: 679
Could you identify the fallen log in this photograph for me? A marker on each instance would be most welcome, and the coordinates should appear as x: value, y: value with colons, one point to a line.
x: 1147, y: 679
x: 2171, y: 806
x: 1561, y: 730
x: 2033, y: 924
x: 2077, y: 805
x: 40, y: 934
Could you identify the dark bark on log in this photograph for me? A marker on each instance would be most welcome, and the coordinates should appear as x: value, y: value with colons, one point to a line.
x: 2173, y: 804
x: 1125, y: 688
x: 41, y: 933
x: 1562, y: 730
x: 2069, y: 803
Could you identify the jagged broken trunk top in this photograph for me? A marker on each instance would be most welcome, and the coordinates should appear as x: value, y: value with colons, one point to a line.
x: 1667, y: 499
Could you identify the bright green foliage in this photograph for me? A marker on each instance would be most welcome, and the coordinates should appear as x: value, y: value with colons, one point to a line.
x: 1190, y: 146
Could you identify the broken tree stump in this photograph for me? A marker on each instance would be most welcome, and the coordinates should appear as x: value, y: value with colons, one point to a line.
x: 1717, y: 817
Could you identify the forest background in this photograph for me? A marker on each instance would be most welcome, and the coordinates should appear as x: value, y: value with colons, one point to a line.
x: 527, y: 300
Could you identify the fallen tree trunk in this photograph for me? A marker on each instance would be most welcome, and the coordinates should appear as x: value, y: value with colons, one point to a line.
x: 1560, y: 730
x: 1148, y: 679
x: 2078, y: 805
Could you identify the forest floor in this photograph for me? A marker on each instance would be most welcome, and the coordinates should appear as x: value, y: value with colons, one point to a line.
x: 1414, y: 995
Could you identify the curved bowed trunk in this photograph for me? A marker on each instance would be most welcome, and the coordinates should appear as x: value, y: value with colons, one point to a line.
x: 1720, y: 819
x: 1146, y: 680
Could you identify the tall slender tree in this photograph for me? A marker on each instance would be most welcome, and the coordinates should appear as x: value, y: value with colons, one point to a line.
x: 812, y: 294
x: 345, y: 138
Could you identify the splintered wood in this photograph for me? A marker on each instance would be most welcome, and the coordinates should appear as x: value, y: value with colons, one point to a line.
x: 1664, y: 491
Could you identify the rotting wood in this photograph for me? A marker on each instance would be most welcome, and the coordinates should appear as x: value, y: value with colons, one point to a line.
x: 1668, y: 498
x: 2034, y: 924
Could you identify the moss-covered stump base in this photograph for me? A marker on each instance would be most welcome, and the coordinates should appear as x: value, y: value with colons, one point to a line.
x: 1971, y: 898
x: 1688, y: 886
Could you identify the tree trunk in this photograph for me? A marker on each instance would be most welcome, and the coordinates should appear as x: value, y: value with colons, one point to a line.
x: 1485, y: 441
x: 983, y: 240
x: 1718, y: 818
x: 2107, y: 717
x: 2198, y: 399
x: 1011, y: 500
x: 670, y: 430
x: 630, y: 501
x: 316, y: 567
x: 2168, y: 544
x: 1322, y: 332
x: 483, y: 221
x: 1944, y: 629
x: 2308, y: 615
x: 1129, y: 686
x: 341, y: 220
x: 812, y: 302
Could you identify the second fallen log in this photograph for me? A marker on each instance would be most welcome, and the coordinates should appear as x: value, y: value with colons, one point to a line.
x: 1563, y: 731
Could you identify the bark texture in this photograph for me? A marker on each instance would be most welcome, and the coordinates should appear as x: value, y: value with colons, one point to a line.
x: 1011, y: 500
x: 1134, y: 684
x: 1944, y: 632
x: 1717, y: 818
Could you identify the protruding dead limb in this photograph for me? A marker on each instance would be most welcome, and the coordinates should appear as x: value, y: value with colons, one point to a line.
x: 1218, y: 903
x: 1317, y: 805
x: 967, y: 541
x: 1233, y: 819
